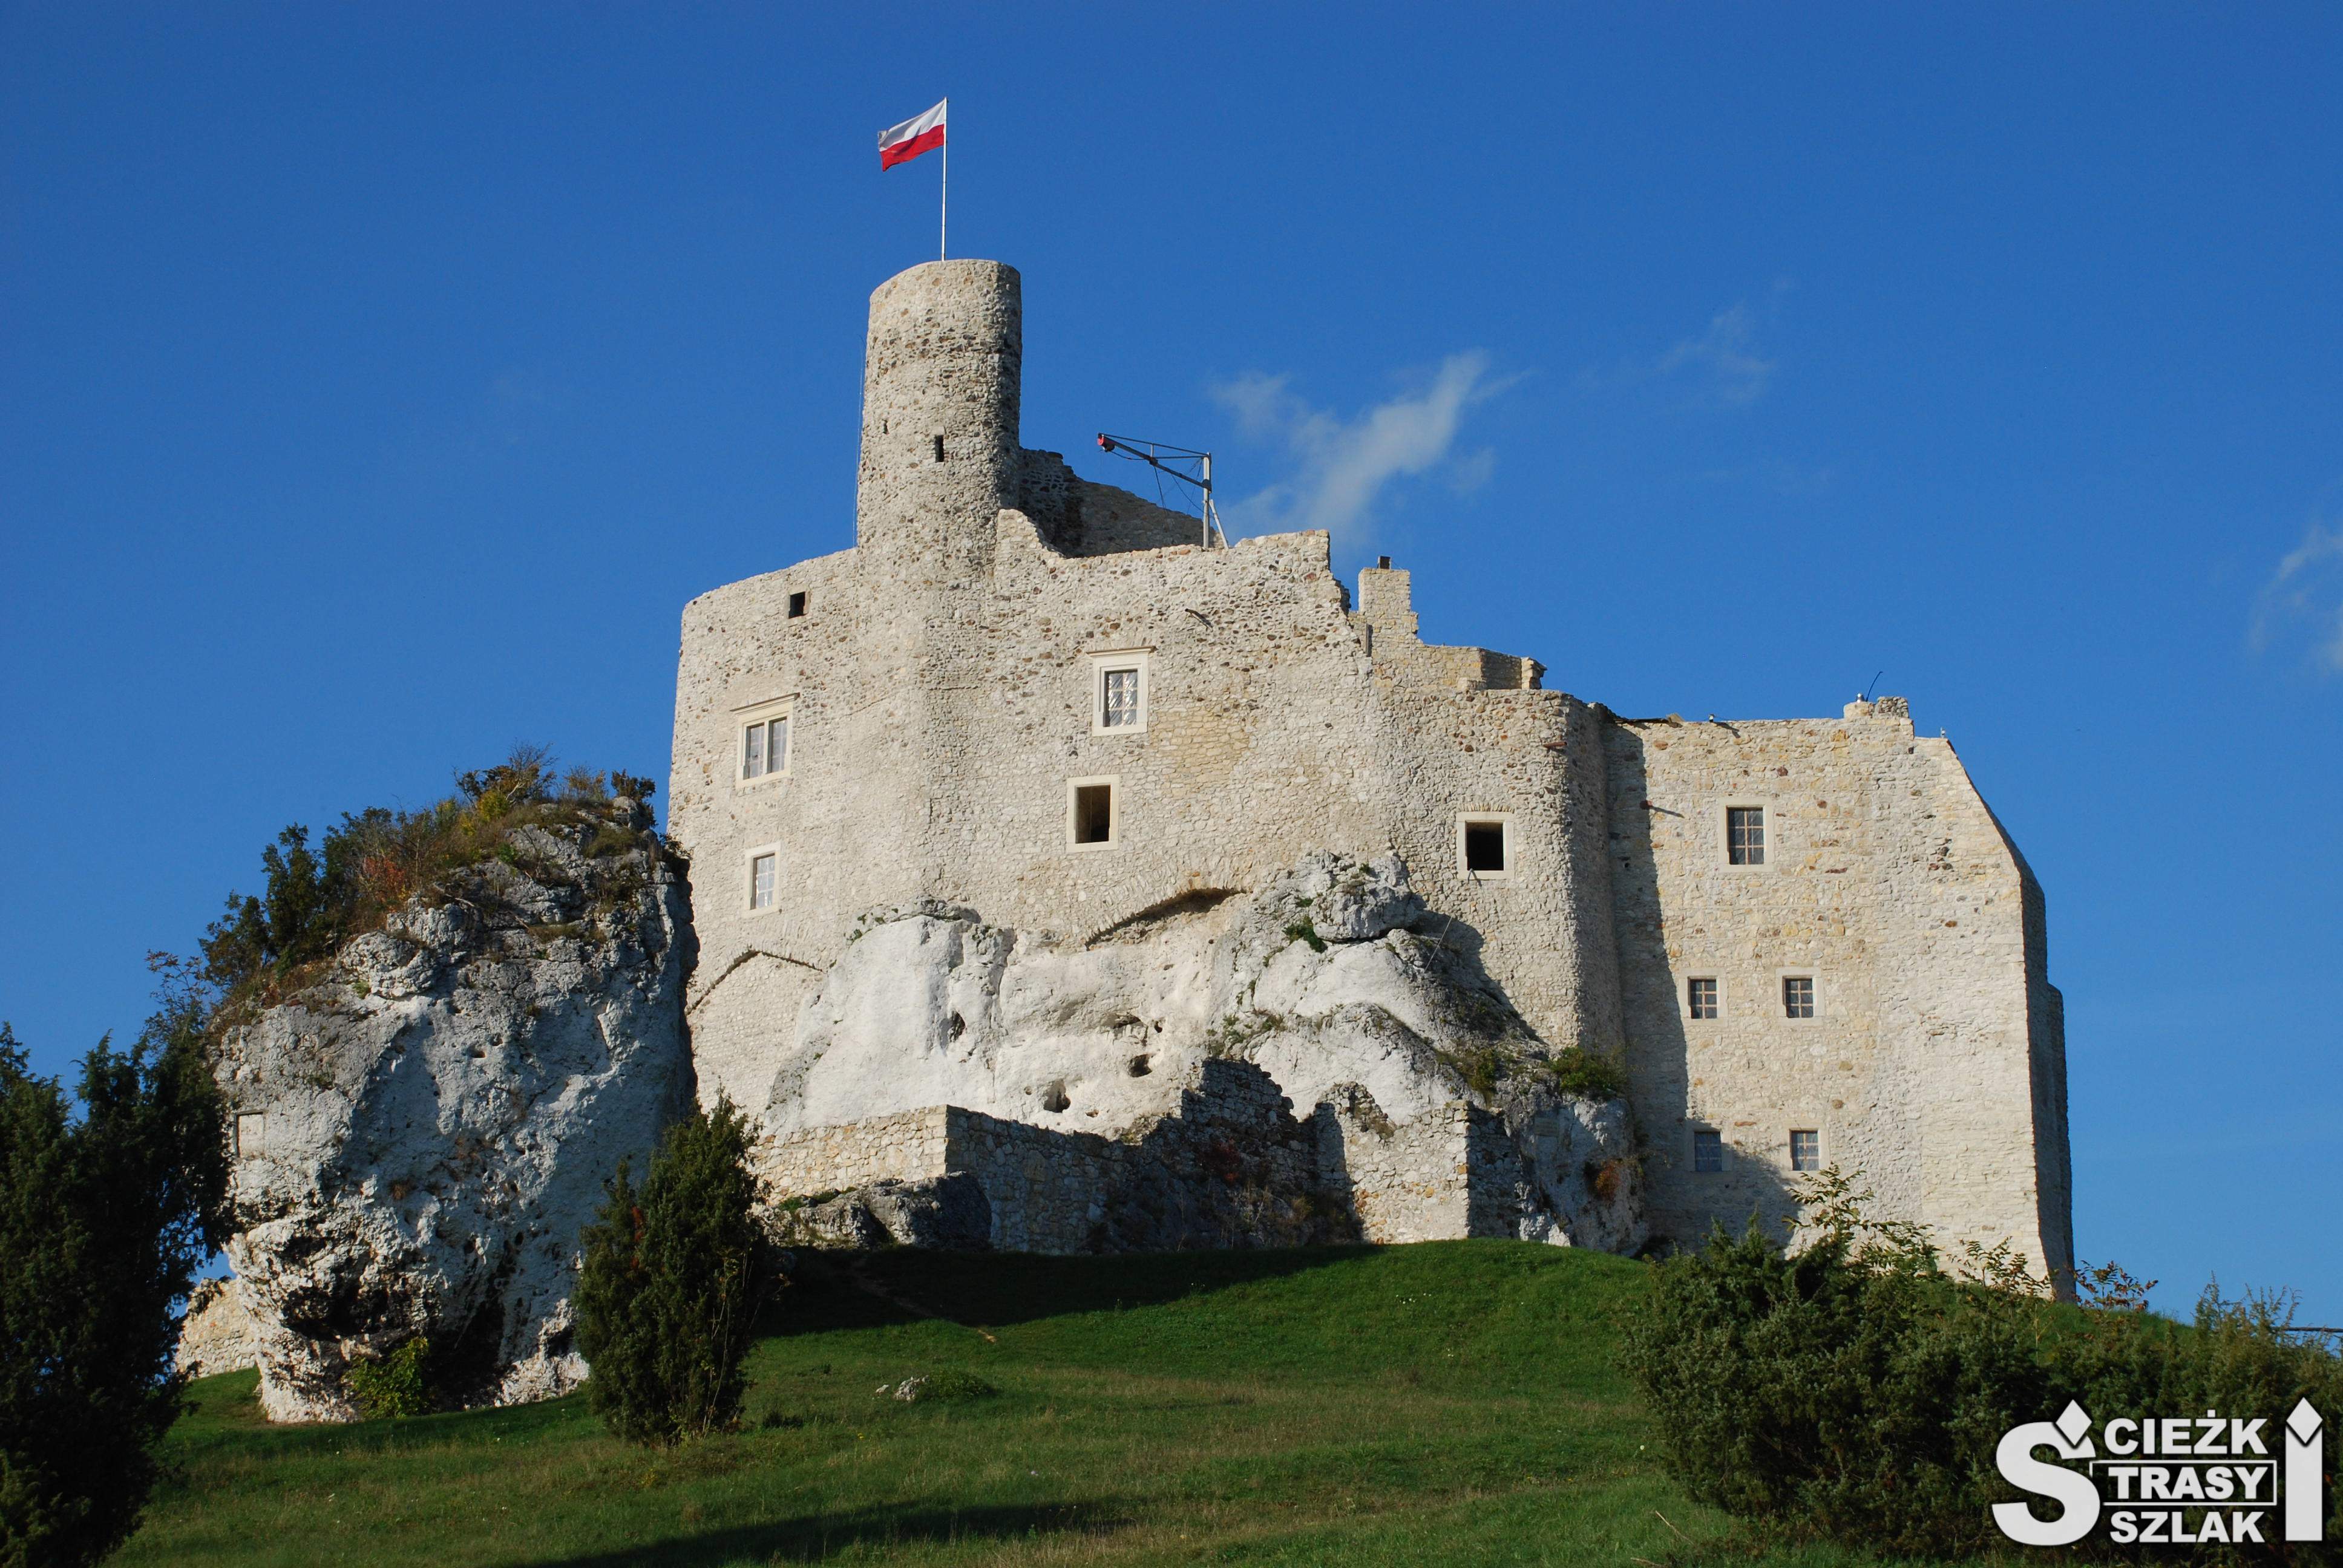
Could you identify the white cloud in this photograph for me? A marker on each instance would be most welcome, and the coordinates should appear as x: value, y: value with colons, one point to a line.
x: 2307, y: 589
x: 1725, y: 357
x: 1346, y: 466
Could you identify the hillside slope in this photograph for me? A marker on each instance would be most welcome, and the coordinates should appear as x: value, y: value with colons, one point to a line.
x: 1447, y: 1403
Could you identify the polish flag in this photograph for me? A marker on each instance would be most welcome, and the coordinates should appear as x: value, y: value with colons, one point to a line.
x: 901, y: 144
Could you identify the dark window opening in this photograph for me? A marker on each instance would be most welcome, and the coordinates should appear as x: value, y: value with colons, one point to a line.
x: 1053, y: 1099
x: 1484, y: 846
x: 796, y: 605
x: 1700, y: 996
x: 1708, y: 1151
x: 1094, y: 814
x: 1799, y: 997
x: 1744, y: 834
x: 939, y: 448
x: 1805, y: 1151
x: 1140, y: 1067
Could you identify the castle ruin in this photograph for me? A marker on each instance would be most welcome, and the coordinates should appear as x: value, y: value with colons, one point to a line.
x: 982, y: 814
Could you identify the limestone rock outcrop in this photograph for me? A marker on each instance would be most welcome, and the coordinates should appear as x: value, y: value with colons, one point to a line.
x: 217, y: 1335
x: 1367, y: 1012
x: 423, y: 1132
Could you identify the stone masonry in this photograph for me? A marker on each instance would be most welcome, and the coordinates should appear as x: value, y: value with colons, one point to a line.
x: 940, y: 687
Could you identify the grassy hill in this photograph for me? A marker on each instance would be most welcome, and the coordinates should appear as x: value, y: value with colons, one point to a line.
x: 1453, y: 1402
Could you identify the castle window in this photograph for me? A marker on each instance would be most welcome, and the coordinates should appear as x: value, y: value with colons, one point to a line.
x: 1484, y: 849
x: 1092, y: 821
x: 764, y: 878
x: 249, y: 1127
x: 1805, y: 1151
x: 765, y: 745
x: 1744, y: 834
x: 1797, y: 996
x: 796, y: 605
x: 1701, y: 998
x: 1118, y: 693
x: 1707, y: 1151
x: 939, y: 448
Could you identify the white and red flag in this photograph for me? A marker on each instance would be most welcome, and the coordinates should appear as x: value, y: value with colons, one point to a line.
x: 901, y: 144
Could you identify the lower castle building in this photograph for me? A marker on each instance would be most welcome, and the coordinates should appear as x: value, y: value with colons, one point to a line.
x: 986, y: 815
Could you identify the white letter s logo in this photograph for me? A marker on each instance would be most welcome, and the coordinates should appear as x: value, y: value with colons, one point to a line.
x: 2079, y: 1498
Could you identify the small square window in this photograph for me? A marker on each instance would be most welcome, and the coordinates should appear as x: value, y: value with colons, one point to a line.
x: 765, y: 747
x: 1484, y: 848
x: 763, y: 873
x: 1797, y: 996
x: 1744, y: 834
x: 796, y: 605
x: 1700, y: 997
x: 1119, y: 699
x: 1805, y: 1151
x: 1119, y: 695
x: 1092, y: 818
x: 1707, y: 1151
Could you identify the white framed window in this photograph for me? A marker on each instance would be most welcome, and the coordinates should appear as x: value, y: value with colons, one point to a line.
x: 1484, y: 846
x: 763, y: 749
x: 1802, y: 1000
x: 1094, y: 812
x: 1742, y: 831
x: 1805, y: 1150
x: 1707, y: 1151
x: 1119, y: 692
x: 1704, y: 998
x: 763, y: 878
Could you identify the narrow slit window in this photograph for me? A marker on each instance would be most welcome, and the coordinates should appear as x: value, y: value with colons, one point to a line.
x: 763, y: 873
x: 1744, y: 834
x: 1119, y: 699
x: 939, y: 448
x: 1485, y: 846
x: 796, y: 605
x: 765, y: 747
x: 1700, y: 997
x: 1797, y: 996
x: 1095, y: 814
x: 1707, y: 1151
x: 1805, y: 1151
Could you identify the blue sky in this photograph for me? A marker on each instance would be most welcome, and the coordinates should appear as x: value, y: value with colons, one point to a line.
x: 377, y: 382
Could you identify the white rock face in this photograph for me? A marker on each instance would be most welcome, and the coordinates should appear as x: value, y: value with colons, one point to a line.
x: 217, y: 1336
x: 422, y: 1135
x: 1333, y: 978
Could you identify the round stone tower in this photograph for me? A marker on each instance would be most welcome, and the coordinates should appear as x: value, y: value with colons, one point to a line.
x: 939, y: 401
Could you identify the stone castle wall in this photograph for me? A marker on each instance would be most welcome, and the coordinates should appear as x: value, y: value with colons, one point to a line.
x: 939, y: 686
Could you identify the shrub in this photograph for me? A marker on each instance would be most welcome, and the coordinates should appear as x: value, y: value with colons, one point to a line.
x: 669, y: 1290
x: 1854, y: 1389
x: 1584, y: 1075
x: 395, y: 1385
x: 314, y: 900
x: 104, y: 1218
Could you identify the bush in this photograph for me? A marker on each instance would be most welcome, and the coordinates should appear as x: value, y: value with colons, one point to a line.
x: 104, y: 1218
x: 315, y: 901
x: 395, y: 1385
x: 669, y: 1290
x: 1584, y: 1075
x: 1855, y: 1390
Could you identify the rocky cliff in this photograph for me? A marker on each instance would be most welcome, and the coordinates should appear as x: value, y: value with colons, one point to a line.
x: 423, y: 1129
x: 1366, y: 1013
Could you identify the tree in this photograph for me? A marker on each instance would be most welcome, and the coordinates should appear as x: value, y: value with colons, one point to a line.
x: 104, y: 1218
x: 672, y: 1278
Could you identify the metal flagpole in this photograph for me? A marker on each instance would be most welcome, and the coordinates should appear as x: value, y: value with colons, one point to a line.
x: 943, y: 186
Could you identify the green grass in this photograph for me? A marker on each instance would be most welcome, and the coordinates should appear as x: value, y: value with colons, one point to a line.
x: 1454, y: 1402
